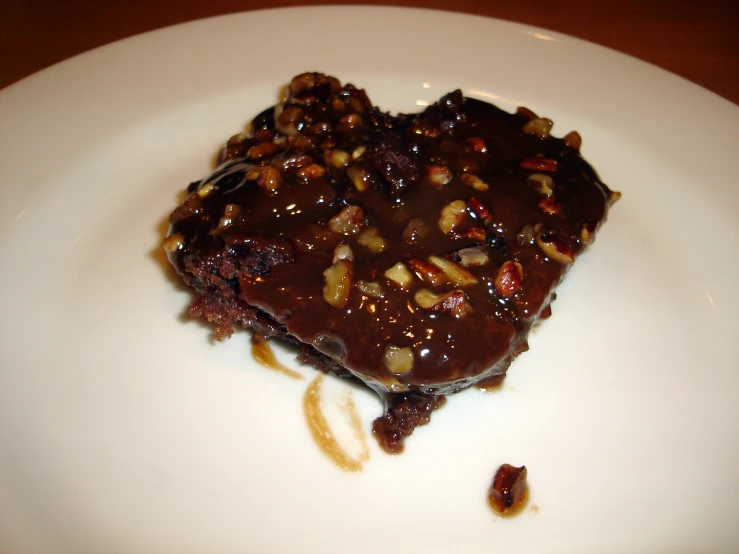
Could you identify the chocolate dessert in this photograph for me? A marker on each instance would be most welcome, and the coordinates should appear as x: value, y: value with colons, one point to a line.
x: 412, y: 252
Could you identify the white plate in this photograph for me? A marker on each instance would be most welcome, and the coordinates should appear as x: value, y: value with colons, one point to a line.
x: 124, y: 429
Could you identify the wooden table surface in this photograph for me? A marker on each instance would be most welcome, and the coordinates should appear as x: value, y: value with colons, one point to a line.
x: 698, y: 40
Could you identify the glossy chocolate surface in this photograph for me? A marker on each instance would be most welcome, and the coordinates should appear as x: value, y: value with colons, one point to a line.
x: 261, y: 223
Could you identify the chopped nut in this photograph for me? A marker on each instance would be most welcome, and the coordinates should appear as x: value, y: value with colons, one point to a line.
x: 400, y: 275
x: 527, y: 233
x: 301, y: 143
x: 474, y: 181
x: 358, y: 152
x: 288, y: 120
x: 399, y: 360
x: 262, y: 150
x: 555, y: 248
x: 264, y: 135
x: 206, y: 189
x: 303, y: 82
x: 452, y: 215
x: 477, y: 234
x: 173, y: 243
x: 587, y: 233
x: 455, y: 273
x: 480, y: 210
x: 542, y: 183
x: 348, y: 221
x: 359, y: 177
x: 416, y: 229
x: 193, y: 205
x: 372, y: 240
x: 317, y: 129
x: 573, y: 140
x: 476, y: 144
x: 525, y: 112
x: 452, y: 302
x: 337, y: 158
x: 292, y: 162
x: 349, y: 122
x: 393, y: 385
x: 438, y: 175
x: 237, y: 139
x: 427, y: 272
x: 535, y: 163
x: 355, y: 104
x: 474, y: 256
x: 343, y: 252
x: 230, y: 212
x: 509, y: 278
x: 371, y: 288
x: 613, y: 197
x: 311, y: 172
x: 337, y: 283
x: 253, y: 174
x: 509, y: 489
x: 550, y: 205
x: 269, y: 179
x: 338, y: 104
x: 329, y: 143
x: 541, y: 127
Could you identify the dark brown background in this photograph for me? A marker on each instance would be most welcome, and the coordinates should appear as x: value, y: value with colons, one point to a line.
x: 698, y: 40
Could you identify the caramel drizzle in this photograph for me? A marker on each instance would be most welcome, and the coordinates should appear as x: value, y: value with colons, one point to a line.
x: 263, y: 354
x: 321, y: 431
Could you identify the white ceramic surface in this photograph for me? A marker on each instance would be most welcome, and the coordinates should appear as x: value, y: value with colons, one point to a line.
x: 124, y: 429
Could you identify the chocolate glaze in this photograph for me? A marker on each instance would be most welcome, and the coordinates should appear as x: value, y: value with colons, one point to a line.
x: 271, y: 252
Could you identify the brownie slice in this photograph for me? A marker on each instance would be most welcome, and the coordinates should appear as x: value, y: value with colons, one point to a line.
x: 412, y: 252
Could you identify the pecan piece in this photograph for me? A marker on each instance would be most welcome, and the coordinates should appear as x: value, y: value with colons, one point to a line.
x: 400, y: 275
x: 536, y: 163
x: 480, y: 210
x: 474, y: 256
x: 474, y: 181
x: 269, y: 179
x: 550, y: 205
x: 573, y: 140
x: 476, y: 144
x: 455, y: 273
x: 452, y: 216
x: 509, y: 278
x: 338, y: 283
x: 539, y: 126
x: 543, y: 183
x: 399, y: 360
x: 438, y: 175
x: 343, y: 252
x: 427, y: 272
x: 452, y: 302
x: 173, y: 243
x: 262, y: 150
x: 372, y: 240
x: 311, y: 172
x: 473, y: 233
x: 371, y: 288
x: 509, y: 489
x: 555, y: 248
x: 348, y: 221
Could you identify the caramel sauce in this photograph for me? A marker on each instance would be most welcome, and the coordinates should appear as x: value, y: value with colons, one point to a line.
x: 262, y: 352
x: 350, y: 410
x: 535, y: 508
x: 322, y: 434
